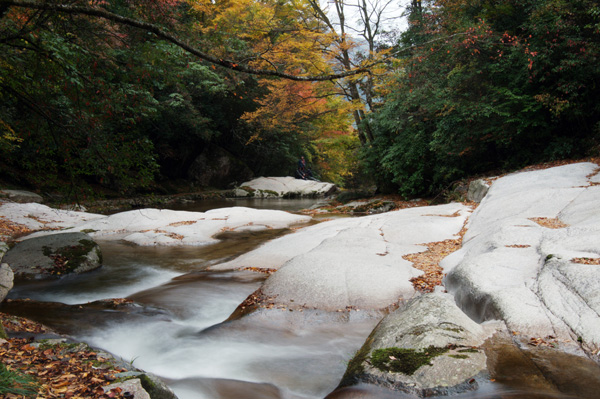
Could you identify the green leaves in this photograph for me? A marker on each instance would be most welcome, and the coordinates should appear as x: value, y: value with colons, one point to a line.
x: 496, y: 85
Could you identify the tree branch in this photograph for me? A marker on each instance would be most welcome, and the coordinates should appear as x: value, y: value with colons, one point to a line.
x: 162, y: 34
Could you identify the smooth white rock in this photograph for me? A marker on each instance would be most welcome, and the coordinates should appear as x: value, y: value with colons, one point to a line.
x: 355, y: 262
x: 512, y: 268
x: 280, y: 186
x: 150, y: 227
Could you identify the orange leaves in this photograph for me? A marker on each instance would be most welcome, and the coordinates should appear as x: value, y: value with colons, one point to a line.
x: 289, y: 104
x: 62, y: 370
x: 550, y: 223
x: 586, y: 261
x: 429, y: 260
x: 11, y: 229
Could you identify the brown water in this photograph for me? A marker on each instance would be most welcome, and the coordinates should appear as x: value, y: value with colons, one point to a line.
x: 176, y: 330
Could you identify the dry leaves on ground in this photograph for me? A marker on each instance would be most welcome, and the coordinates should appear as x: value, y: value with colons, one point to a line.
x: 12, y: 229
x: 185, y: 223
x: 550, y: 223
x: 549, y: 341
x: 259, y: 269
x: 429, y: 260
x: 586, y: 261
x: 61, y: 370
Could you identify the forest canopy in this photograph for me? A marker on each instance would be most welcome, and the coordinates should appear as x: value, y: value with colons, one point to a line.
x: 125, y: 94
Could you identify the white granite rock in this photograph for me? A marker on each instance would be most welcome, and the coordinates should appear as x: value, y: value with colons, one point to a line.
x: 6, y: 280
x: 513, y: 268
x: 352, y: 262
x: 287, y: 186
x: 150, y: 227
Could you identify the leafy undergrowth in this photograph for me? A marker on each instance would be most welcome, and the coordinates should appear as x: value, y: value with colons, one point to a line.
x: 46, y: 370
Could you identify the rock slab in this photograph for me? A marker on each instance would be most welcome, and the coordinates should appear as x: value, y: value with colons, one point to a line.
x: 530, y: 256
x: 287, y: 187
x: 352, y: 263
x: 53, y: 256
x: 21, y: 196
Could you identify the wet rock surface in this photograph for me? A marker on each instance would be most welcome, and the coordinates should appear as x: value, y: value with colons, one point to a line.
x: 54, y: 256
x: 6, y: 279
x: 546, y: 369
x: 69, y: 319
x: 429, y: 347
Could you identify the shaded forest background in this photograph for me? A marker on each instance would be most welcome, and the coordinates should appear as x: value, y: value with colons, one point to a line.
x: 129, y: 97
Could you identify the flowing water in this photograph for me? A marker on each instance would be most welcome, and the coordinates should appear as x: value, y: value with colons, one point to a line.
x: 178, y: 328
x: 180, y: 331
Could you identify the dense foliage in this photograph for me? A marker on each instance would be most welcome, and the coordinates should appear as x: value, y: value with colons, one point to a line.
x: 121, y: 94
x: 483, y: 84
x: 88, y: 101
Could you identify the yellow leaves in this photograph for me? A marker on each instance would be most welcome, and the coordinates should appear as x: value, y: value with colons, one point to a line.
x: 268, y: 35
x: 253, y: 138
x: 288, y: 104
x: 7, y: 134
x: 552, y: 103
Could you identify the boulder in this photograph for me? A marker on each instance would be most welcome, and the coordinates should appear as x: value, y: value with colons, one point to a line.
x: 477, y: 190
x: 53, y: 256
x: 373, y: 206
x: 21, y: 196
x: 130, y: 388
x: 286, y: 187
x: 429, y: 347
x: 142, y: 385
x: 3, y: 249
x: 217, y: 168
x: 41, y: 217
x: 6, y: 280
x: 152, y: 227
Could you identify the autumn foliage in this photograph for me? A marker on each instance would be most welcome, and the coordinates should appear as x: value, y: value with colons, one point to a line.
x: 488, y: 85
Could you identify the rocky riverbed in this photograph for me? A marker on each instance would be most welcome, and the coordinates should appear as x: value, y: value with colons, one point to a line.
x: 521, y: 281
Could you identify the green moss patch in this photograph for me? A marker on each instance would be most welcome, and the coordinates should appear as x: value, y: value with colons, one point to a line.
x: 405, y: 361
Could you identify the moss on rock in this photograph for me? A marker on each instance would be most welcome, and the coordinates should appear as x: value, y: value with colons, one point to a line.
x: 406, y: 361
x: 68, y: 259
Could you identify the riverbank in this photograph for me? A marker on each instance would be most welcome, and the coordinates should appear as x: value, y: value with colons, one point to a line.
x: 515, y: 223
x: 40, y: 363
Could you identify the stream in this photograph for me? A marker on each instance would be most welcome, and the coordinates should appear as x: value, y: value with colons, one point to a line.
x: 180, y: 333
x: 178, y: 327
